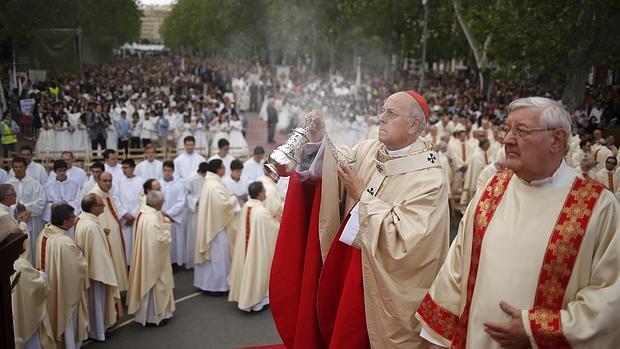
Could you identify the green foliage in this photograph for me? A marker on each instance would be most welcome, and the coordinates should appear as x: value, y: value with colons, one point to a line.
x: 109, y: 18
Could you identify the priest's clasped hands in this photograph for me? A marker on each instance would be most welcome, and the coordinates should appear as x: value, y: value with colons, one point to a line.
x: 351, y: 181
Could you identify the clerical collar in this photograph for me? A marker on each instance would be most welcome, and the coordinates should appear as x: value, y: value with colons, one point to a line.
x: 399, y: 152
x: 563, y: 175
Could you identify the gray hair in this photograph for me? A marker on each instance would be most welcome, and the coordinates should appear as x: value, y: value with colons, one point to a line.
x: 417, y: 113
x: 154, y: 198
x: 5, y: 190
x: 552, y: 114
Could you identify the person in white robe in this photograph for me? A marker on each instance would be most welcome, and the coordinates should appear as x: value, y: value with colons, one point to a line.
x: 273, y: 202
x: 256, y: 241
x: 67, y: 270
x: 110, y: 158
x: 566, y: 292
x: 34, y: 170
x: 96, y: 169
x: 600, y: 152
x: 31, y: 323
x: 74, y: 173
x: 238, y: 186
x: 253, y: 168
x: 173, y: 189
x: 216, y: 210
x: 193, y: 189
x: 31, y: 194
x: 150, y: 167
x: 223, y: 154
x: 187, y: 162
x: 609, y: 177
x: 499, y: 164
x: 578, y: 154
x: 129, y: 189
x: 104, y: 299
x: 111, y: 224
x: 460, y: 153
x: 479, y: 160
x: 61, y: 189
x: 150, y: 296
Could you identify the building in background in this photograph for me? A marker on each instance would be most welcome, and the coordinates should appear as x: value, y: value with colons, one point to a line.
x: 152, y: 18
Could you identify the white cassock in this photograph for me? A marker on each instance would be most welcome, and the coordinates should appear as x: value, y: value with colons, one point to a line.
x: 252, y: 170
x: 273, y: 202
x: 67, y: 191
x: 35, y: 171
x: 150, y: 294
x: 129, y: 191
x: 186, y: 164
x: 31, y: 194
x: 104, y: 299
x: 240, y: 190
x: 557, y: 242
x: 600, y: 154
x: 610, y: 180
x: 116, y: 171
x: 174, y: 207
x: 256, y: 241
x: 485, y: 175
x: 149, y: 169
x: 478, y: 161
x: 226, y: 160
x: 216, y: 210
x: 193, y: 187
x: 74, y: 173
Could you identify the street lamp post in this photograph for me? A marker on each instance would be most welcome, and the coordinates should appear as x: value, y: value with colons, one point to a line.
x: 424, y: 36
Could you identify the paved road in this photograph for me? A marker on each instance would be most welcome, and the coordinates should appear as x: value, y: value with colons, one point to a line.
x: 200, y: 321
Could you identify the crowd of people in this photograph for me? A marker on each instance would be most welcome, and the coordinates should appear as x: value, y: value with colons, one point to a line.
x: 207, y: 209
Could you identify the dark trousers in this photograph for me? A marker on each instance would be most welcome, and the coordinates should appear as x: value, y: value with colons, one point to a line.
x: 9, y: 147
x: 271, y: 132
x: 123, y: 144
x: 99, y: 140
x: 135, y: 142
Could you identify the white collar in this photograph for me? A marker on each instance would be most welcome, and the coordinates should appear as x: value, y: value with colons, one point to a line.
x: 563, y: 176
x: 399, y: 152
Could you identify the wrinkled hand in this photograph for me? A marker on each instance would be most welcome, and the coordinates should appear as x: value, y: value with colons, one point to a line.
x: 351, y: 181
x: 508, y: 334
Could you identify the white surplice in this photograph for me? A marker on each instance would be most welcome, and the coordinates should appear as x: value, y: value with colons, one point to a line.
x: 185, y: 164
x: 35, y: 171
x: 252, y: 170
x: 193, y: 188
x: 31, y: 194
x: 174, y: 207
x: 226, y: 160
x: 129, y: 191
x: 74, y: 173
x: 67, y: 191
x: 116, y: 171
x: 149, y: 169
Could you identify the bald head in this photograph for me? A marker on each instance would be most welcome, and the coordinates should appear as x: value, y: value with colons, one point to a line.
x: 105, y: 181
x: 401, y: 121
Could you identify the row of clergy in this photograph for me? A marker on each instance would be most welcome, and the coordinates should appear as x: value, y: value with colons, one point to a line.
x: 68, y: 183
x: 476, y: 155
x: 73, y: 292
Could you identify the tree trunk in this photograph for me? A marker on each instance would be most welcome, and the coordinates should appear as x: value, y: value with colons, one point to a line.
x: 485, y: 83
x: 575, y: 85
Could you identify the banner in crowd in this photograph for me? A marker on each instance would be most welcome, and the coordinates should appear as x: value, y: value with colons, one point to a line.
x: 26, y: 105
x: 57, y: 50
x: 37, y: 76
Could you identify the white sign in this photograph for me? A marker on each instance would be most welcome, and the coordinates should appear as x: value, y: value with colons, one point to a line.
x: 26, y: 105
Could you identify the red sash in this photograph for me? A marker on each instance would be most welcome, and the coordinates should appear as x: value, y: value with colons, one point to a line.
x: 120, y: 228
x: 247, y: 230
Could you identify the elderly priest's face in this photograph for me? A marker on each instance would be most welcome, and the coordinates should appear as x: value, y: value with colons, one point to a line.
x: 397, y: 129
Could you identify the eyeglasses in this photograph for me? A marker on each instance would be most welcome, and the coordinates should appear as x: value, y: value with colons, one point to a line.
x: 521, y: 131
x: 388, y: 114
